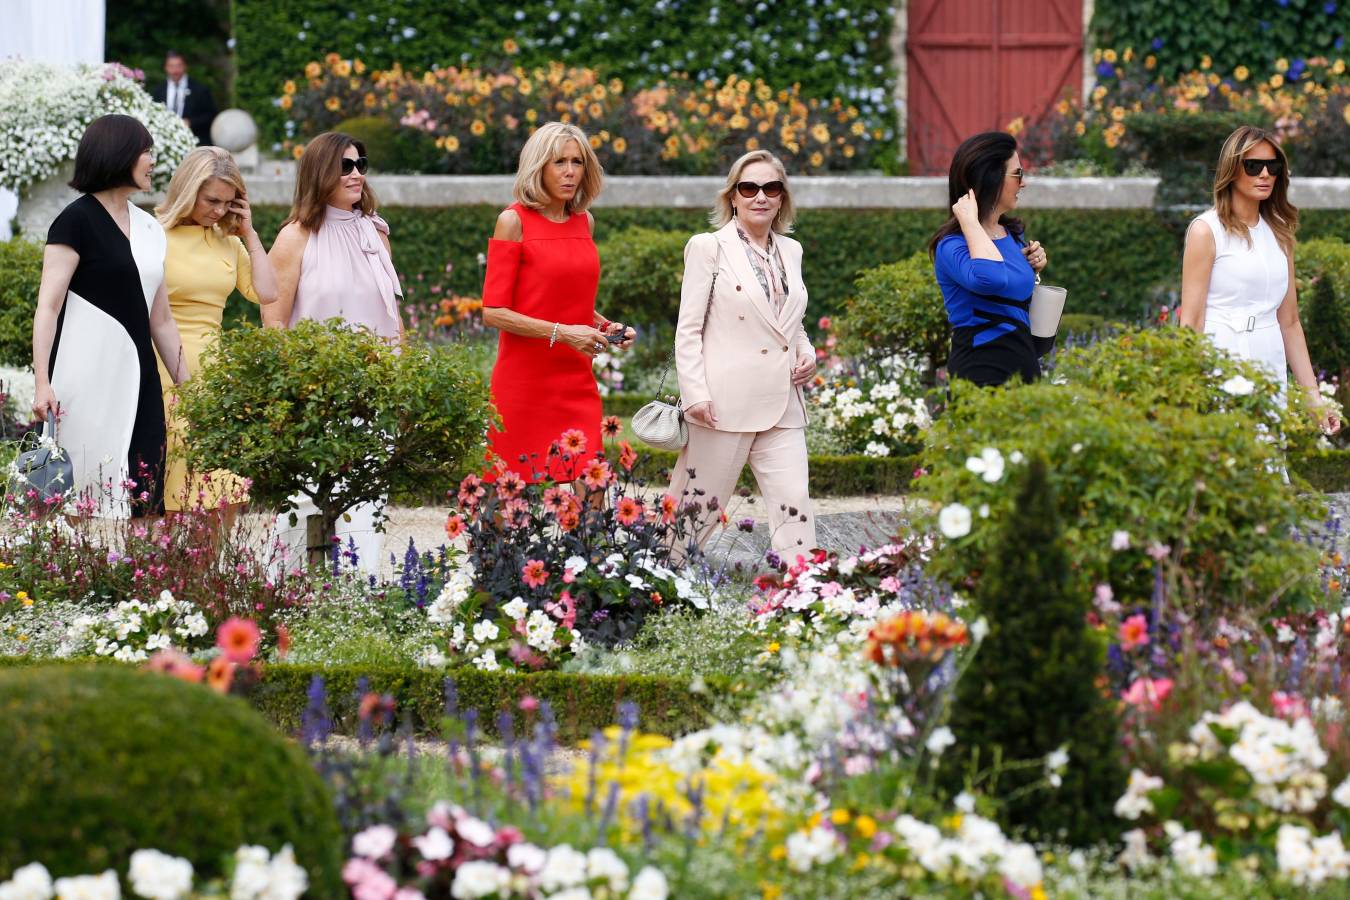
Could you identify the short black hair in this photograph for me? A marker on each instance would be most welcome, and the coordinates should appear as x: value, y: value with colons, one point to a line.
x: 108, y: 152
x: 174, y: 54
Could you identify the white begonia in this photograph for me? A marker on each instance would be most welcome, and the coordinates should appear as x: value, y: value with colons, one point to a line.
x: 964, y: 802
x: 431, y: 657
x: 1135, y: 856
x: 90, y: 887
x: 1342, y: 793
x: 650, y: 884
x: 158, y: 876
x: 940, y: 740
x: 516, y: 609
x: 1309, y: 861
x: 30, y: 882
x: 485, y: 630
x: 435, y: 845
x: 526, y: 857
x: 1238, y: 386
x: 563, y: 868
x: 1135, y: 802
x: 576, y: 563
x: 954, y: 521
x: 931, y: 850
x: 479, y: 878
x: 604, y: 863
x: 487, y: 662
x: 539, y: 632
x: 374, y: 842
x: 876, y: 449
x: 1190, y: 853
x: 1021, y: 865
x: 806, y: 849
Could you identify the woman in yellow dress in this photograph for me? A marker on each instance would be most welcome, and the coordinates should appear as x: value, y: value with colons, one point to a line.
x: 212, y: 252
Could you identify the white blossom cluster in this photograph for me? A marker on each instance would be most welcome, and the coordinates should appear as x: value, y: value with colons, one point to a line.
x: 45, y: 108
x: 133, y: 629
x: 158, y: 876
x: 458, y: 588
x: 1307, y: 860
x: 978, y: 848
x: 879, y: 416
x: 1284, y: 759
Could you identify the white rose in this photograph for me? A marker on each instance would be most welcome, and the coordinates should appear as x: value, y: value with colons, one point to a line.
x: 954, y: 521
x: 90, y: 887
x: 158, y: 876
x: 480, y: 879
x: 31, y: 882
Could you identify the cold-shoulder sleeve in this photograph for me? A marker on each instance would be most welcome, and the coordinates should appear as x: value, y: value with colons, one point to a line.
x: 503, y: 264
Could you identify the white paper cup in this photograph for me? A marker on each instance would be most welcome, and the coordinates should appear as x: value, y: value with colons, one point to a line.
x: 1047, y: 305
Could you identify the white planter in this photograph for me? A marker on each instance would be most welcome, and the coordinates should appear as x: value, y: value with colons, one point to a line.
x: 41, y: 202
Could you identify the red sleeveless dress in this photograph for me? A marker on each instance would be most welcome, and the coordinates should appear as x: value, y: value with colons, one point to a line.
x: 541, y: 391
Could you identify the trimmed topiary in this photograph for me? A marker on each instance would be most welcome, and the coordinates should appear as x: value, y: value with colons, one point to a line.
x: 101, y: 761
x: 640, y: 274
x: 1031, y: 688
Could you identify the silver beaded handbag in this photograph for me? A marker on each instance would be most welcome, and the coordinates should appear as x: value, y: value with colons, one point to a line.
x: 660, y: 423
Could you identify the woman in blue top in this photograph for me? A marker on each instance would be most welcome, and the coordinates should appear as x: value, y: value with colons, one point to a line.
x: 986, y: 271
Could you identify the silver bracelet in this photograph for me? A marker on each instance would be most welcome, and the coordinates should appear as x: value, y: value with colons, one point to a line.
x: 554, y: 336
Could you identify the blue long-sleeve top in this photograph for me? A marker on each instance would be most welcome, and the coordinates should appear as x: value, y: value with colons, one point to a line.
x: 986, y: 295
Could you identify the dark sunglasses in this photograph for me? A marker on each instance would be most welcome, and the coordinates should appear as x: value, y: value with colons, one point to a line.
x: 749, y: 190
x: 1253, y: 167
x: 360, y: 164
x: 1019, y: 174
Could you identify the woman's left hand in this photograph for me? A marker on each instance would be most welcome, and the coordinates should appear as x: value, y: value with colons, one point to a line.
x: 804, y: 370
x: 239, y: 206
x: 629, y: 335
x: 1035, y: 255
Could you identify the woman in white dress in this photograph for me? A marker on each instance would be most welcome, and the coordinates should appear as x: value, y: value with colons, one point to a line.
x: 102, y: 312
x: 1237, y: 276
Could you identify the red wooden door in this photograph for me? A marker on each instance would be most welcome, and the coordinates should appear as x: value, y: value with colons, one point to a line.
x: 976, y: 65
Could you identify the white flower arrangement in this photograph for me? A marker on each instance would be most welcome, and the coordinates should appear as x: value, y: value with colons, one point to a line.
x: 45, y: 108
x: 133, y: 629
x: 879, y: 410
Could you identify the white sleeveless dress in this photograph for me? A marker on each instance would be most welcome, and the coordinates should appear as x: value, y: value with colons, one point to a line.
x: 1246, y: 288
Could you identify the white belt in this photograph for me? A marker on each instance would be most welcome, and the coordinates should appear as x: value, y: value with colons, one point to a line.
x: 1238, y: 322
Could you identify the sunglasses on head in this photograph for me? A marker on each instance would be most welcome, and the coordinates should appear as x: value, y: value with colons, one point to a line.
x: 749, y: 189
x: 1253, y: 167
x: 360, y: 164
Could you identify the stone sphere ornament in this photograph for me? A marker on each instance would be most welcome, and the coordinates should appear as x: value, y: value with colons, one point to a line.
x: 234, y: 130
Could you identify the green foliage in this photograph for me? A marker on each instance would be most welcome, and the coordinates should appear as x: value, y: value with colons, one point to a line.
x: 140, y: 32
x: 849, y: 55
x: 20, y: 275
x: 1205, y: 484
x: 1251, y: 33
x: 1323, y: 271
x: 1183, y: 147
x: 640, y: 274
x: 898, y: 309
x: 339, y: 414
x: 1031, y: 687
x: 100, y: 761
x: 397, y: 149
x: 831, y: 476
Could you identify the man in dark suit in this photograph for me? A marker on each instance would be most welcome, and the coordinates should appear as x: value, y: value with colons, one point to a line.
x: 191, y: 101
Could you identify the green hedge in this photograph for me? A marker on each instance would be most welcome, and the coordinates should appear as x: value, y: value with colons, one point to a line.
x: 1251, y: 33
x: 581, y: 703
x: 829, y: 49
x: 1108, y: 259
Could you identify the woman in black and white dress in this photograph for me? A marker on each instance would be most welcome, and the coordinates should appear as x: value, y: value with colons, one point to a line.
x: 102, y: 313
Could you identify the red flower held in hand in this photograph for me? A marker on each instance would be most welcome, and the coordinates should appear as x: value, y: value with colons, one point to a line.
x: 573, y: 442
x: 238, y: 639
x: 534, y: 573
x: 628, y: 511
x: 627, y: 455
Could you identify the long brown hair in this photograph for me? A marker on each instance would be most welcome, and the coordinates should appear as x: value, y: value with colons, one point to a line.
x: 1279, y: 213
x: 978, y: 165
x: 318, y: 175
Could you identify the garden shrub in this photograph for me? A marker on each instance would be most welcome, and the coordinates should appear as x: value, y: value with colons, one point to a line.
x: 640, y: 274
x: 898, y: 308
x: 1030, y: 688
x: 393, y: 148
x: 1204, y: 485
x: 339, y: 414
x: 1183, y: 147
x: 1323, y: 271
x: 640, y: 43
x: 20, y: 275
x: 100, y: 761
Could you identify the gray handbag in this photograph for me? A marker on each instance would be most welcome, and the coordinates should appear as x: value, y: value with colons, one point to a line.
x: 46, y: 469
x: 661, y: 424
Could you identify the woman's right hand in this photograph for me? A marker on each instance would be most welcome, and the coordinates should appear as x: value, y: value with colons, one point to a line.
x: 967, y: 209
x: 44, y: 399
x: 583, y: 338
x: 702, y: 414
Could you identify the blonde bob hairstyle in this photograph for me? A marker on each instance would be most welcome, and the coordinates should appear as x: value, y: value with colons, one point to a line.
x: 1279, y: 213
x: 545, y: 146
x: 199, y: 167
x: 723, y: 211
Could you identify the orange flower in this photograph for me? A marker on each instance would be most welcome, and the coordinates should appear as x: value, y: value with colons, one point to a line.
x: 238, y: 639
x: 454, y: 526
x: 573, y: 441
x: 569, y: 520
x: 914, y: 636
x: 627, y: 455
x: 176, y: 664
x: 283, y: 641
x: 669, y: 506
x: 220, y: 675
x: 627, y: 511
x: 534, y: 573
x: 611, y: 426
x: 597, y: 475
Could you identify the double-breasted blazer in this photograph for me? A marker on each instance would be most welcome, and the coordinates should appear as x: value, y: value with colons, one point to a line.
x: 742, y: 358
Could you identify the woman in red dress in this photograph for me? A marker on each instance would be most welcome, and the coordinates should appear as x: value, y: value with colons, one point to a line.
x: 542, y: 272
